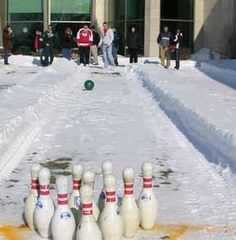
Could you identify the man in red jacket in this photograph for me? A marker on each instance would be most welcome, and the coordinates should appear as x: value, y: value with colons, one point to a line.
x: 84, y: 42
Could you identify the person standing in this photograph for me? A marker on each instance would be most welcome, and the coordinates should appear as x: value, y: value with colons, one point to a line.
x: 106, y: 43
x: 178, y: 44
x: 164, y: 40
x: 7, y: 42
x: 133, y: 43
x: 84, y: 42
x: 48, y: 38
x: 115, y: 45
x: 68, y: 43
x: 94, y: 47
x: 39, y: 46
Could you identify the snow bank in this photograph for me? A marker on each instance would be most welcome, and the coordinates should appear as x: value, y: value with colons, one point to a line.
x: 21, y: 105
x: 218, y: 145
x: 205, y: 54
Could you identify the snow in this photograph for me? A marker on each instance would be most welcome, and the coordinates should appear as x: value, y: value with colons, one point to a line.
x: 205, y: 54
x: 135, y: 113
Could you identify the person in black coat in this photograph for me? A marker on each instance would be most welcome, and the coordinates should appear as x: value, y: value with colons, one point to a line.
x: 67, y: 42
x: 178, y: 44
x: 49, y: 39
x: 133, y: 44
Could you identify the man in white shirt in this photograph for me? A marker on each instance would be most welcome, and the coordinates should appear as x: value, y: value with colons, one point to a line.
x: 106, y: 42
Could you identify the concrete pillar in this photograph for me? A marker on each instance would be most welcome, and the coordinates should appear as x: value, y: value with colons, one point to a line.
x: 198, y: 24
x: 3, y: 17
x: 46, y: 13
x: 152, y: 27
x: 100, y: 12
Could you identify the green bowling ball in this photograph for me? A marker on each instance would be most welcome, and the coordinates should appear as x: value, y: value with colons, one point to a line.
x: 89, y: 85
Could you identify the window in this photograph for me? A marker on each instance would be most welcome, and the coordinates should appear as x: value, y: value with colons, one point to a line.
x: 123, y: 14
x: 71, y: 10
x: 179, y: 14
x: 25, y: 17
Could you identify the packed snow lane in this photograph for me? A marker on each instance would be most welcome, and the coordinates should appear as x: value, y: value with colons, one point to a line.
x: 120, y: 121
x: 202, y: 108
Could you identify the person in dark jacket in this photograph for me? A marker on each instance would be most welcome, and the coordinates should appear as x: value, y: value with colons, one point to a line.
x: 48, y: 38
x: 94, y: 47
x: 67, y: 42
x: 164, y: 40
x: 7, y: 42
x: 178, y: 44
x: 39, y: 46
x: 133, y: 44
x: 115, y: 44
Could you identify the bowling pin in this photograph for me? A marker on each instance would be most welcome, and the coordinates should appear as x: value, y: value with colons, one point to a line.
x: 89, y: 179
x: 88, y: 228
x: 44, y: 209
x: 147, y: 200
x: 32, y: 198
x: 63, y: 221
x: 111, y: 222
x: 129, y: 209
x: 107, y: 168
x: 74, y: 201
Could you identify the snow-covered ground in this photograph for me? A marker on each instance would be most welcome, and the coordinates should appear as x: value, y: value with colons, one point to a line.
x: 181, y: 121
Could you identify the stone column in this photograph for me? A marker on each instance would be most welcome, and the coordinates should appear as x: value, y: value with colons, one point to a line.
x: 3, y: 17
x: 100, y: 9
x: 198, y: 24
x: 152, y: 27
x: 46, y: 13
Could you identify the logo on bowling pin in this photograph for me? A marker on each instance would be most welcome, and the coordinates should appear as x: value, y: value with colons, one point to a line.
x: 74, y: 201
x: 32, y: 198
x: 107, y: 169
x: 147, y: 200
x: 88, y: 228
x: 110, y: 220
x: 129, y: 208
x: 63, y: 222
x: 89, y: 179
x: 44, y: 208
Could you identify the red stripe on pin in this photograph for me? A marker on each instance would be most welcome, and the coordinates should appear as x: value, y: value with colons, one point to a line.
x: 60, y: 195
x: 62, y: 202
x: 44, y: 193
x: 147, y: 185
x: 129, y: 185
x: 110, y: 200
x: 129, y: 192
x: 110, y: 193
x: 147, y: 180
x: 87, y: 205
x: 87, y: 213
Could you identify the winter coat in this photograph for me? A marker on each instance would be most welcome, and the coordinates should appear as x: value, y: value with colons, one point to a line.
x: 107, y: 37
x: 133, y: 40
x: 85, y: 37
x: 117, y: 38
x: 48, y: 38
x: 165, y: 39
x: 7, y: 39
x: 178, y: 41
x: 39, y: 42
x: 96, y: 38
x: 67, y: 41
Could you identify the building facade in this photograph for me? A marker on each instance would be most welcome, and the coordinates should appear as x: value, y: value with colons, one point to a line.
x: 205, y: 23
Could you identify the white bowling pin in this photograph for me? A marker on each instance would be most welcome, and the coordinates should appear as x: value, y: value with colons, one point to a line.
x: 89, y: 179
x: 147, y: 200
x: 111, y: 222
x: 63, y: 221
x: 129, y: 209
x: 107, y: 169
x: 32, y: 198
x: 44, y: 209
x: 88, y: 228
x: 74, y: 201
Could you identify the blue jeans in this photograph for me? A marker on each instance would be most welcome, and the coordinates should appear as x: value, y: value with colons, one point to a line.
x: 6, y: 54
x: 67, y: 52
x: 114, y: 53
x: 107, y: 56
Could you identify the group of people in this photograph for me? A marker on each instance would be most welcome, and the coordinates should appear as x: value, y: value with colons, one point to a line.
x: 169, y: 43
x: 89, y: 41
